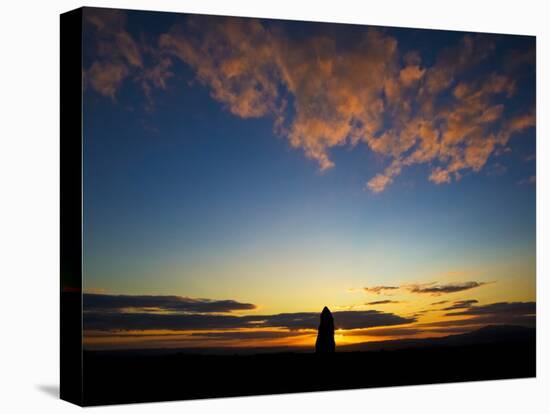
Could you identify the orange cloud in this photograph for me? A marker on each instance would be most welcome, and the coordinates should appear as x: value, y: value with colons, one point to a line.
x: 119, y: 56
x: 106, y: 77
x: 246, y: 64
x: 411, y: 74
x: 234, y: 58
x: 321, y: 95
x: 440, y: 176
x: 381, y: 181
x: 116, y: 50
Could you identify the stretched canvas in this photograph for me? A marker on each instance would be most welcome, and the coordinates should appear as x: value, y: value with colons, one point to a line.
x: 257, y: 206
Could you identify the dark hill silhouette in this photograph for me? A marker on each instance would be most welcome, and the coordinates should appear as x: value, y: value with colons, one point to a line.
x: 325, y: 334
x: 493, y: 352
x: 490, y: 334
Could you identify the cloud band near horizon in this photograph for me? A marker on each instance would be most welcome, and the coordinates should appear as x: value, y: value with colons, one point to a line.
x: 112, y: 321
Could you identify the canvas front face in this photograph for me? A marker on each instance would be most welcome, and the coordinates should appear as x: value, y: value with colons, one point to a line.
x: 277, y: 206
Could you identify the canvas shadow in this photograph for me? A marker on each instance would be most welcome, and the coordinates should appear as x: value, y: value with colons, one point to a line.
x: 51, y: 390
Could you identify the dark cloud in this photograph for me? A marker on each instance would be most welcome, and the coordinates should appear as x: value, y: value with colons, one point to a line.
x: 382, y: 302
x: 366, y: 319
x: 494, y: 319
x: 379, y: 289
x: 509, y: 313
x: 441, y: 302
x: 439, y: 289
x: 461, y: 304
x: 500, y: 308
x: 108, y: 321
x: 102, y: 302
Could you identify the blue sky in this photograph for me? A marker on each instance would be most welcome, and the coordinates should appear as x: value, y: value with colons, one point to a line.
x: 191, y: 190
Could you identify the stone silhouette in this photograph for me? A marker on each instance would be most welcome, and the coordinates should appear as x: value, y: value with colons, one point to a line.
x: 325, y: 334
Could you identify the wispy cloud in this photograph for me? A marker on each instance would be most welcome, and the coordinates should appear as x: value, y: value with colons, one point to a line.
x: 106, y: 77
x: 380, y: 289
x: 383, y: 302
x: 432, y: 288
x: 119, y: 56
x: 117, y: 52
x: 436, y: 289
x: 461, y: 304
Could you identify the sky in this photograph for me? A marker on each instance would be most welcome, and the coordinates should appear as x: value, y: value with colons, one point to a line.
x: 241, y: 174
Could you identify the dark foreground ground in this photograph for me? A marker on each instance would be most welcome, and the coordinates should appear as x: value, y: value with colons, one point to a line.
x: 129, y: 376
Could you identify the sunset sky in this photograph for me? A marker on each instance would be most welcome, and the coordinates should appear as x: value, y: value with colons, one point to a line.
x: 240, y: 174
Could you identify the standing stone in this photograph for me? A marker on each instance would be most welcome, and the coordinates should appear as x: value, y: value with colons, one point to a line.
x: 325, y: 334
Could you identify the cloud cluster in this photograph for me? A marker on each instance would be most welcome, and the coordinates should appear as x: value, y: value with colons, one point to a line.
x: 116, y: 51
x: 432, y: 288
x: 119, y: 56
x: 500, y: 308
x: 125, y: 312
x: 507, y: 313
x: 255, y: 70
x: 115, y: 303
x: 323, y: 93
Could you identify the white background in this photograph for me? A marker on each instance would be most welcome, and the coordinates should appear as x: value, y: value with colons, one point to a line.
x: 29, y: 206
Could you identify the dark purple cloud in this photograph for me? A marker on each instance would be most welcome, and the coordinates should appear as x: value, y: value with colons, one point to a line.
x: 110, y: 303
x: 109, y: 321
